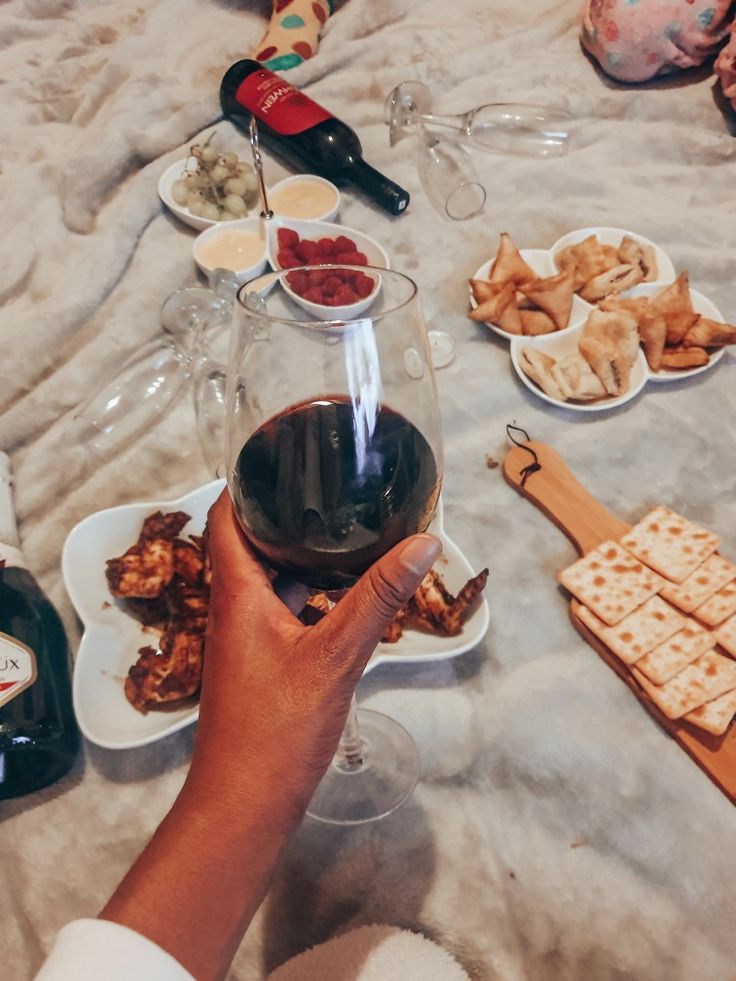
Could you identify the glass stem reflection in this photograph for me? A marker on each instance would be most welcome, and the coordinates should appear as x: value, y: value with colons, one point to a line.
x: 349, y: 755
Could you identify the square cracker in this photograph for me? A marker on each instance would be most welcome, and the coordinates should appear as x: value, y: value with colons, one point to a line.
x: 670, y: 544
x: 708, y: 578
x: 638, y: 633
x: 726, y: 635
x: 610, y: 582
x: 714, y: 716
x: 702, y: 681
x: 719, y: 607
x: 686, y: 646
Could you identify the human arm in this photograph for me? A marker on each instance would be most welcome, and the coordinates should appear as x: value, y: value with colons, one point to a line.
x: 275, y: 696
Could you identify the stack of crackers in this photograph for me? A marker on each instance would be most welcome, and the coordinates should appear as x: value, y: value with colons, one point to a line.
x: 664, y: 602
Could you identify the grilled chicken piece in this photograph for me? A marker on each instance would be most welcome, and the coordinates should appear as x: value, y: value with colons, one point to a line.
x: 148, y: 566
x: 434, y: 609
x: 168, y: 675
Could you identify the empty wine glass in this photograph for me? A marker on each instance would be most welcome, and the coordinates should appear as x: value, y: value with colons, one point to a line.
x: 154, y: 377
x: 518, y: 128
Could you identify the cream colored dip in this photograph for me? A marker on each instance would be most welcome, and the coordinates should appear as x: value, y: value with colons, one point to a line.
x: 303, y: 199
x: 231, y: 249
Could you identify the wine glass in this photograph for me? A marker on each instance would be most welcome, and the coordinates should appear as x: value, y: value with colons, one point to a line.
x: 152, y: 379
x: 448, y: 177
x: 334, y: 455
x: 519, y: 128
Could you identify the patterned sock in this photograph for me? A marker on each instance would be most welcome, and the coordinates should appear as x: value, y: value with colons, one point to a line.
x: 293, y: 34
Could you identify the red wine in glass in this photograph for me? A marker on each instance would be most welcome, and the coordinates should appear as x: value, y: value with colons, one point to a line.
x: 323, y: 490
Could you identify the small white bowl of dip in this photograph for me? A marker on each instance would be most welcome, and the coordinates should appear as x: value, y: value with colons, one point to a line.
x: 239, y: 246
x: 305, y: 196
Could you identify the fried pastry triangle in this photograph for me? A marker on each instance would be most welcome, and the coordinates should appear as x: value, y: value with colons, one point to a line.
x: 552, y: 294
x: 508, y: 265
x: 609, y: 342
x: 709, y: 333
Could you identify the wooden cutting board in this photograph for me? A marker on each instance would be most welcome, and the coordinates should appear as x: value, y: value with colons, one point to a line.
x: 587, y: 523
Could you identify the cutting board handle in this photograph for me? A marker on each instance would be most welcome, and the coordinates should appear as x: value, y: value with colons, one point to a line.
x: 558, y: 494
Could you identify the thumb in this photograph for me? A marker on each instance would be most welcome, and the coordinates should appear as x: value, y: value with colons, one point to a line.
x: 355, y: 626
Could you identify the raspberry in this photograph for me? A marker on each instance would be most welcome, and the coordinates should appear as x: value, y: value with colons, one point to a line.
x: 325, y: 247
x: 344, y: 244
x: 298, y: 282
x: 287, y: 259
x: 331, y: 284
x: 306, y: 250
x: 344, y: 295
x: 362, y: 284
x: 314, y: 295
x: 287, y: 238
x: 317, y: 277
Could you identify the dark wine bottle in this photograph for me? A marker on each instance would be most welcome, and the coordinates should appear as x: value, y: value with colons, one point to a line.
x: 303, y: 133
x: 38, y: 733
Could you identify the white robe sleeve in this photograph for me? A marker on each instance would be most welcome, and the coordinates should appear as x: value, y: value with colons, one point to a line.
x: 88, y: 950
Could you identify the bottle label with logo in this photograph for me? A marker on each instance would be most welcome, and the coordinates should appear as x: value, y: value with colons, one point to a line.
x: 17, y: 668
x: 278, y: 104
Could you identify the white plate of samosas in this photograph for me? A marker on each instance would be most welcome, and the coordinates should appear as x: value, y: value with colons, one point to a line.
x: 601, y: 289
x: 534, y: 292
x: 596, y: 366
x: 521, y: 293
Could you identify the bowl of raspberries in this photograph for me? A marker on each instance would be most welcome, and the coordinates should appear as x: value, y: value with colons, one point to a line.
x: 331, y: 273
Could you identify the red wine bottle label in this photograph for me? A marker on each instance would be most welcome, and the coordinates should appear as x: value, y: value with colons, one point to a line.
x: 17, y: 668
x: 278, y: 104
x: 12, y: 557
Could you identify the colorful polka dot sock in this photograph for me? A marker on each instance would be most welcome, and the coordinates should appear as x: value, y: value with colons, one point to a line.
x: 293, y: 34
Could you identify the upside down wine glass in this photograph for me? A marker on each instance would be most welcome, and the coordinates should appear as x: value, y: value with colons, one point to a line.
x: 334, y: 456
x: 519, y: 128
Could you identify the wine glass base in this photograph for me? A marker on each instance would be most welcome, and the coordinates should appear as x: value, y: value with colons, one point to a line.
x: 376, y: 787
x: 402, y: 106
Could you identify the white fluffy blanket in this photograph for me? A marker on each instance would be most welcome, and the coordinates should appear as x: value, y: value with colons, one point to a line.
x: 556, y: 831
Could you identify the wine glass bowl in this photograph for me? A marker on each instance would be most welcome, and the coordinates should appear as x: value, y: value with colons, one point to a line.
x: 334, y: 456
x: 371, y: 470
x: 448, y: 177
x: 524, y: 129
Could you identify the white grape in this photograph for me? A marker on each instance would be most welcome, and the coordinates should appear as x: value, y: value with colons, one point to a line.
x: 211, y: 212
x: 230, y: 159
x: 243, y: 169
x: 235, y: 185
x: 236, y: 205
x: 226, y: 215
x: 208, y: 154
x: 180, y: 192
x: 219, y: 173
x: 251, y: 181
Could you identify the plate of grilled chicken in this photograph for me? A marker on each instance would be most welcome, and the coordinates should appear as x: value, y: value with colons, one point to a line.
x: 138, y: 576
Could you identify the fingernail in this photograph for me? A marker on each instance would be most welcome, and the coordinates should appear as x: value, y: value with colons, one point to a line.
x: 420, y: 553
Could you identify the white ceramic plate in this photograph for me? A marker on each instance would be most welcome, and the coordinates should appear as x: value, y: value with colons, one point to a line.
x: 703, y: 306
x: 111, y: 638
x: 612, y: 236
x: 166, y: 181
x: 252, y: 225
x: 540, y: 260
x: 565, y: 342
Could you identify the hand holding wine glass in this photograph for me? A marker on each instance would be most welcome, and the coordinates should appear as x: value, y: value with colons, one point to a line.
x: 334, y: 458
x: 274, y: 689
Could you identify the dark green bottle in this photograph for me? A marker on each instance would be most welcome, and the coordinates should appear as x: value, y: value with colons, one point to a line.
x: 38, y: 734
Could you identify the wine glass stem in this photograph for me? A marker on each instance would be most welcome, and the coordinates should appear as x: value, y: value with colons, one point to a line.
x: 349, y: 755
x: 458, y: 122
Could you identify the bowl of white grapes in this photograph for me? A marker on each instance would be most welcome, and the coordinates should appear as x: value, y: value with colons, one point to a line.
x: 212, y: 185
